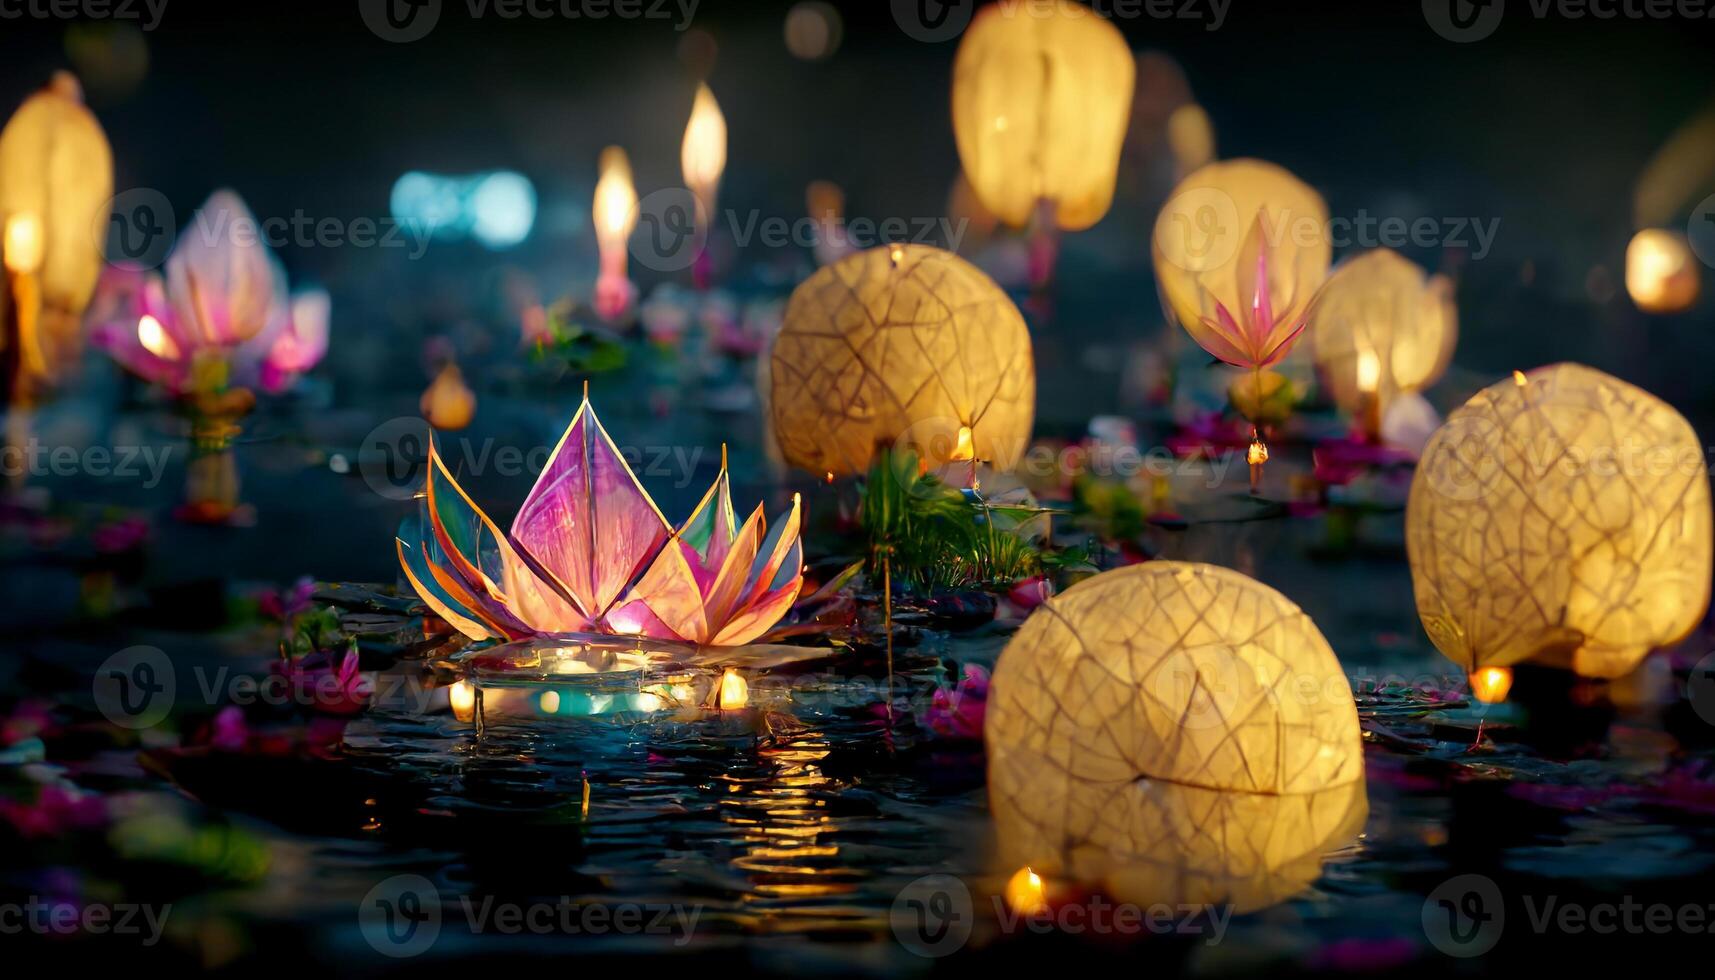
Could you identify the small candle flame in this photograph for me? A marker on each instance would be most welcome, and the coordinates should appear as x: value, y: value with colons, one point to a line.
x: 24, y: 245
x: 1258, y: 453
x: 155, y: 339
x: 615, y: 212
x: 965, y: 450
x: 1369, y: 371
x: 702, y: 157
x: 462, y: 697
x: 734, y: 692
x: 1025, y: 893
x: 1518, y: 378
x: 1491, y: 684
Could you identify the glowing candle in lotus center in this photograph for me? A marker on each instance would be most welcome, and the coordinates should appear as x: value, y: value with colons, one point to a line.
x: 155, y: 340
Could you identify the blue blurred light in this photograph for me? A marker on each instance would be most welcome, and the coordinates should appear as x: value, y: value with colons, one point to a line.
x: 498, y: 209
x: 504, y: 206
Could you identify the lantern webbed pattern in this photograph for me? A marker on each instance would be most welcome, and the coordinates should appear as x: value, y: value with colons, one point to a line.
x: 1178, y: 732
x: 1041, y: 99
x: 902, y: 345
x: 1561, y: 516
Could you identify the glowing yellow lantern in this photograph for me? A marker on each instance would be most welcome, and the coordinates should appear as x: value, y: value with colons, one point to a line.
x: 1041, y: 96
x: 1177, y: 733
x: 702, y: 155
x: 56, y: 167
x: 1561, y: 516
x: 449, y: 404
x: 903, y: 345
x: 1200, y: 233
x: 1381, y: 329
x: 1661, y: 272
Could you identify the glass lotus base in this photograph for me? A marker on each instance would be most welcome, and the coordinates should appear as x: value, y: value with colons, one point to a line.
x: 621, y: 679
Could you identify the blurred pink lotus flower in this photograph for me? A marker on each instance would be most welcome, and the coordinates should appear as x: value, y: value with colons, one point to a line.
x: 56, y: 810
x: 221, y: 308
x: 958, y: 713
x: 589, y: 552
x: 1267, y: 323
x: 329, y: 689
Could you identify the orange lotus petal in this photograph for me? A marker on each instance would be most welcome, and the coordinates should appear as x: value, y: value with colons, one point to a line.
x: 758, y: 618
x: 729, y: 589
x: 493, y: 615
x: 456, y: 619
x: 670, y: 591
x: 782, y: 549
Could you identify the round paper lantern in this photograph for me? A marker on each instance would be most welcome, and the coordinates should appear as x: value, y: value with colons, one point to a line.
x: 56, y: 168
x: 1178, y: 732
x: 1041, y: 96
x: 902, y: 345
x: 1200, y: 233
x: 1382, y: 329
x: 1561, y: 516
x: 1661, y: 272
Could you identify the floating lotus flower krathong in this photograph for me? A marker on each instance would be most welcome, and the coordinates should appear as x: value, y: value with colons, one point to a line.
x: 1269, y: 321
x: 589, y: 552
x: 221, y: 316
